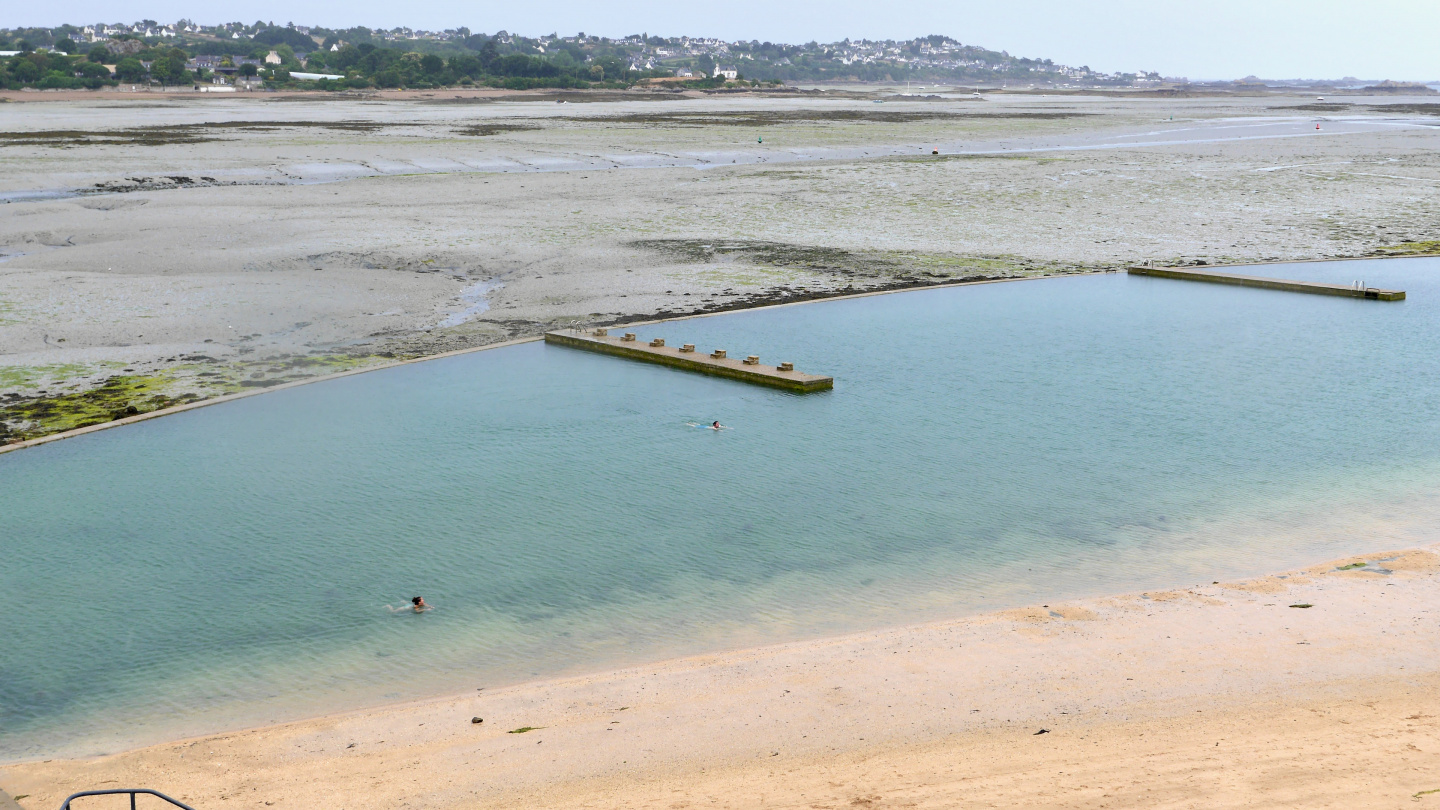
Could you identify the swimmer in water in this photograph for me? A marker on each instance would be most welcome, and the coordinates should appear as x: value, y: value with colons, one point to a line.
x: 716, y: 425
x: 417, y: 605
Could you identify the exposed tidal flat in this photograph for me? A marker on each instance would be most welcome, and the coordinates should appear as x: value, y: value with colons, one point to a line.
x: 986, y: 447
x: 161, y: 250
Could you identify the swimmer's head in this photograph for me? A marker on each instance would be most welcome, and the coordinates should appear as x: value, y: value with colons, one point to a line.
x: 417, y: 600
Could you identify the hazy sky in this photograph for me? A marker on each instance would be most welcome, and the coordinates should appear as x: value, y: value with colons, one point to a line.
x: 1228, y: 39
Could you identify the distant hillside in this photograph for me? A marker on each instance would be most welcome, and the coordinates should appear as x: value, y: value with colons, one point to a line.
x: 363, y: 57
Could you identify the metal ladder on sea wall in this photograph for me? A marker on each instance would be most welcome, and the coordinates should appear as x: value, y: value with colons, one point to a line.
x: 132, y: 791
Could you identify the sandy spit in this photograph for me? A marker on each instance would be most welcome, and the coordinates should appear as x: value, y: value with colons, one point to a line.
x: 1219, y: 695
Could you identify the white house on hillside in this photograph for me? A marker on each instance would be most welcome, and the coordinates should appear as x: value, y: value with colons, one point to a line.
x: 728, y: 71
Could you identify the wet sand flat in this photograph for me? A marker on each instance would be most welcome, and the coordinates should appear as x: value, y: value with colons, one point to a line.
x: 195, y: 247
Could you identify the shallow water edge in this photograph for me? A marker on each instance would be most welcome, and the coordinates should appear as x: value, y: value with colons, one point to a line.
x: 54, y: 437
x: 190, y: 406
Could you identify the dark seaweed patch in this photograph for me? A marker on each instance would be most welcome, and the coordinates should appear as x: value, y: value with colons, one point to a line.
x: 762, y: 118
x: 1383, y: 109
x: 117, y: 398
x: 1041, y: 159
x: 140, y: 136
x: 865, y: 266
x: 482, y: 130
x: 567, y: 96
x: 1416, y: 109
x: 775, y: 254
x: 171, y: 134
x: 1315, y: 107
x: 150, y: 184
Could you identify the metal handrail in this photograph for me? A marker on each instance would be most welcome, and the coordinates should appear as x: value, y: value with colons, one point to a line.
x: 131, y: 791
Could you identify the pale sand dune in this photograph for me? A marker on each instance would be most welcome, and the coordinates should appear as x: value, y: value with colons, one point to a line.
x: 1213, y: 696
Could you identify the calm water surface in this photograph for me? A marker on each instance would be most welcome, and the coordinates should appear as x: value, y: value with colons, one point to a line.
x: 983, y: 447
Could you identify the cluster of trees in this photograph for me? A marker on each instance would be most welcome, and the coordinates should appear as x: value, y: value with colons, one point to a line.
x: 367, y: 64
x: 49, y: 70
x: 58, y: 69
x: 815, y: 62
x: 24, y: 39
x: 362, y: 65
x: 486, y: 63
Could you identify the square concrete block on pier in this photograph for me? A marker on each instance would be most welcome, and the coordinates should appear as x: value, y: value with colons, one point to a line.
x: 684, y: 357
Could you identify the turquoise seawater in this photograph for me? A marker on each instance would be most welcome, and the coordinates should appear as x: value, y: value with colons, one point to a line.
x: 984, y: 446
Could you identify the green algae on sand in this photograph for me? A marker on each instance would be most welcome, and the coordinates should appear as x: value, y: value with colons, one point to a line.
x: 118, y: 397
x: 123, y: 395
x: 1423, y: 248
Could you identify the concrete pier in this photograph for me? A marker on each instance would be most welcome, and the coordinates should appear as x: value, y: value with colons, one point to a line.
x: 782, y: 375
x: 1312, y: 287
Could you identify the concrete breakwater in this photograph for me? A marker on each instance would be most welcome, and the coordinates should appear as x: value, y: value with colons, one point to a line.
x: 1312, y: 287
x: 685, y: 357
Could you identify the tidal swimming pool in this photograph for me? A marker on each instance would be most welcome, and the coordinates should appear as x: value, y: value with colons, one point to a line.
x: 984, y: 447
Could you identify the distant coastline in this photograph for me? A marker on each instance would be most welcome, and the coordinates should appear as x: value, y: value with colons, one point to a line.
x: 236, y: 54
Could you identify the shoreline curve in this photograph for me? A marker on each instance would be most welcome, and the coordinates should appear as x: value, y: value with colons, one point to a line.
x: 1095, y: 673
x: 190, y: 406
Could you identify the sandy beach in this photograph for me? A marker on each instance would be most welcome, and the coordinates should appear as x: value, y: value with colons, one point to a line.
x: 1315, y: 688
x: 159, y: 250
